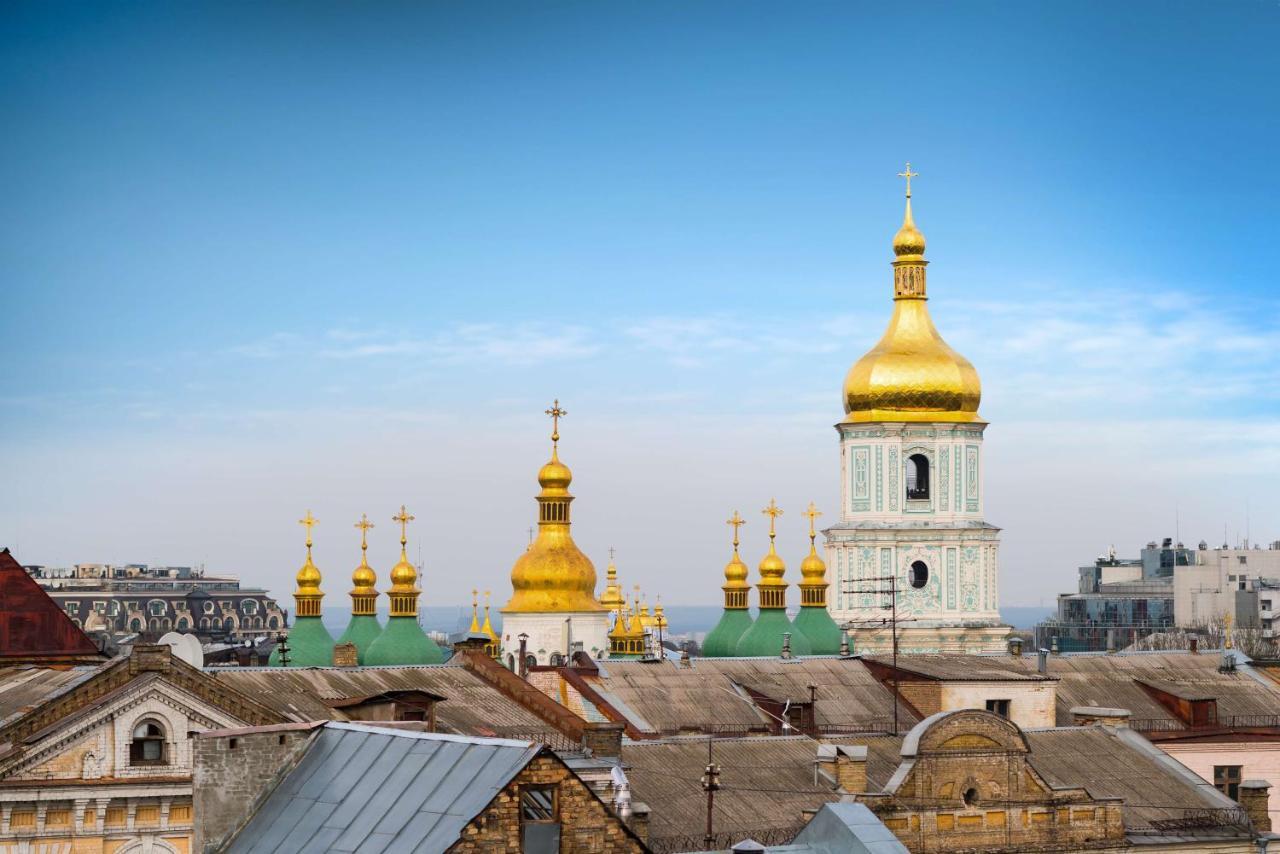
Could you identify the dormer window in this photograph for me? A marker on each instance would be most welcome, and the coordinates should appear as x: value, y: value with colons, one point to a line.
x: 147, y: 747
x: 918, y: 477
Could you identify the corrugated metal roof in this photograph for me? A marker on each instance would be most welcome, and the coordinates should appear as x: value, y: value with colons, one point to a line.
x: 766, y: 783
x: 24, y: 688
x: 964, y: 668
x: 472, y: 706
x: 361, y: 787
x: 665, y: 697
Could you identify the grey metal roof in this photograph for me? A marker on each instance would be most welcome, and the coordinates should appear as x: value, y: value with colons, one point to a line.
x: 369, y: 789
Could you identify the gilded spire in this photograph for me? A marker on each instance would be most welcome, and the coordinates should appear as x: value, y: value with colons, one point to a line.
x: 813, y: 572
x: 487, y: 628
x: 363, y: 594
x: 908, y: 243
x: 911, y: 374
x: 659, y: 616
x: 735, y: 571
x: 307, y: 597
x: 404, y: 576
x: 773, y: 590
x: 475, y: 612
x: 612, y: 594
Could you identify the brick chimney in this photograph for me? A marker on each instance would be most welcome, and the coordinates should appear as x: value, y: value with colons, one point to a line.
x: 851, y: 768
x: 1255, y: 800
x: 603, y: 738
x: 1015, y: 646
x: 344, y: 655
x: 639, y: 821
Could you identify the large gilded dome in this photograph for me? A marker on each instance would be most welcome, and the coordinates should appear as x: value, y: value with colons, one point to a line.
x: 911, y: 374
x: 553, y: 575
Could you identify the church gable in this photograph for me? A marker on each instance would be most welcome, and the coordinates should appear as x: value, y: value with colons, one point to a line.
x: 32, y: 626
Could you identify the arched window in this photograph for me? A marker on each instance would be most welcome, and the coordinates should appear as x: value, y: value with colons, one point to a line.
x: 557, y: 660
x: 182, y: 624
x: 531, y: 660
x: 147, y: 747
x: 135, y: 625
x: 919, y: 574
x: 274, y: 623
x: 918, y: 477
x: 970, y: 797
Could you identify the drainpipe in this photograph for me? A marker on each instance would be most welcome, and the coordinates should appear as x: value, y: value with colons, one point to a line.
x: 524, y: 662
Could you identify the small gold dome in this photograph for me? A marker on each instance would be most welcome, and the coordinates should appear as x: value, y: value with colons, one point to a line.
x: 404, y: 575
x: 812, y: 568
x: 363, y: 578
x: 908, y: 240
x: 735, y: 572
x: 308, y: 577
x: 555, y: 475
x: 772, y: 568
x: 611, y: 598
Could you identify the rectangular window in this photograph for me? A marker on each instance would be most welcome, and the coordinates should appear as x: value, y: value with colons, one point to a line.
x: 1266, y: 604
x: 1000, y: 707
x: 1244, y: 558
x: 539, y: 820
x: 1226, y: 779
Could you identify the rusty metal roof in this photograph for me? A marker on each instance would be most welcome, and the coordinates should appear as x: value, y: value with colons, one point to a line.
x: 472, y: 706
x: 664, y: 697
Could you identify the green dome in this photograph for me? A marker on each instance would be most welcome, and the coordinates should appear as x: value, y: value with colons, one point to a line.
x: 722, y: 641
x: 361, y: 631
x: 823, y: 633
x: 764, y: 638
x: 403, y: 642
x: 310, y: 645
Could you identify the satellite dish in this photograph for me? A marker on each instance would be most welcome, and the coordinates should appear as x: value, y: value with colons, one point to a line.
x: 185, y: 648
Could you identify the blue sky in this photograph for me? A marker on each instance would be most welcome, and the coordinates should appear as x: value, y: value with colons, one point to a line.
x: 256, y: 258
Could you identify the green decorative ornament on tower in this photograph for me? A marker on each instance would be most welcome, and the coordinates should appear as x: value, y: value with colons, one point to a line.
x: 403, y: 641
x: 722, y: 640
x: 814, y: 620
x: 310, y: 644
x: 766, y: 636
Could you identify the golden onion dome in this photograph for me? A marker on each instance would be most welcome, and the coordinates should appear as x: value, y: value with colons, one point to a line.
x: 772, y: 568
x: 659, y: 616
x: 553, y: 575
x: 363, y: 578
x: 812, y: 569
x: 735, y: 573
x: 308, y: 576
x: 911, y: 374
x: 611, y: 598
x: 404, y: 575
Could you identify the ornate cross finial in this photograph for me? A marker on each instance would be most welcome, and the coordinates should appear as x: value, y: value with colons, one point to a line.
x: 611, y: 550
x: 403, y: 518
x: 556, y: 414
x: 812, y: 512
x: 908, y: 175
x: 773, y: 511
x: 308, y: 522
x: 364, y: 525
x: 475, y: 597
x: 737, y: 522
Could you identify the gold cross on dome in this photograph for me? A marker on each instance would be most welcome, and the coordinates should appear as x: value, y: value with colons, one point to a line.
x: 404, y: 519
x: 364, y: 525
x: 908, y: 175
x: 773, y: 511
x: 737, y: 522
x: 308, y: 522
x: 556, y: 414
x: 812, y: 512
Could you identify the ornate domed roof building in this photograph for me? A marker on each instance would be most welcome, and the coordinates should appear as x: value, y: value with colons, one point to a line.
x: 814, y: 620
x: 722, y: 640
x: 766, y: 636
x: 309, y: 643
x: 364, y: 627
x: 553, y: 603
x: 403, y: 641
x: 911, y: 517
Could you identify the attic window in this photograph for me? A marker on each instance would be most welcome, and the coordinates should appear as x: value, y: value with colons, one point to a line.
x: 970, y: 797
x: 539, y: 819
x: 147, y: 747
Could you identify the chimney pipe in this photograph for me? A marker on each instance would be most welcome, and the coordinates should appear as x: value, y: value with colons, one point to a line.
x: 1042, y: 662
x: 524, y: 661
x: 1193, y: 645
x: 1015, y: 647
x: 1111, y: 640
x: 1053, y: 645
x: 684, y: 659
x: 786, y: 644
x: 844, y: 645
